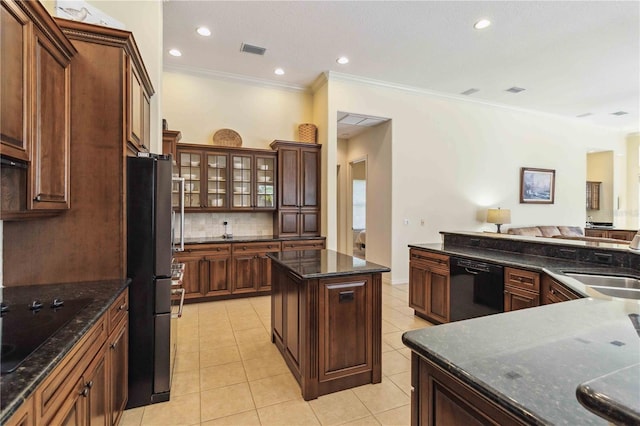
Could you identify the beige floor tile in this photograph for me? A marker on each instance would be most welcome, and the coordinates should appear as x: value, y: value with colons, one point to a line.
x: 181, y: 410
x: 248, y: 418
x: 275, y: 389
x: 258, y: 350
x: 394, y: 363
x: 252, y: 336
x: 186, y: 382
x: 219, y: 355
x: 214, y: 321
x: 217, y: 339
x: 387, y: 327
x: 188, y: 333
x: 288, y: 413
x: 387, y: 347
x: 188, y: 344
x: 211, y: 307
x: 400, y: 416
x: 259, y: 368
x: 244, y: 323
x: 132, y: 417
x: 338, y: 408
x: 381, y: 396
x: 367, y: 421
x: 403, y: 381
x: 224, y: 402
x: 186, y: 361
x: 223, y: 375
x: 406, y: 352
x: 394, y: 339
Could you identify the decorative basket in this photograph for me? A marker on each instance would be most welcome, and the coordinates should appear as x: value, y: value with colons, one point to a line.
x: 307, y: 132
x: 227, y: 137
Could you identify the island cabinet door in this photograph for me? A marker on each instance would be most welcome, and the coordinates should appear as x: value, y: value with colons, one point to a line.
x: 345, y: 327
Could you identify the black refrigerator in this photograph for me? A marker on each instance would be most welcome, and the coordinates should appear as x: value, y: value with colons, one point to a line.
x: 149, y: 267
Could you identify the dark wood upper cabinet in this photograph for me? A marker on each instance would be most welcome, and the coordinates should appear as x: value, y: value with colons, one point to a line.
x: 35, y: 116
x: 298, y: 188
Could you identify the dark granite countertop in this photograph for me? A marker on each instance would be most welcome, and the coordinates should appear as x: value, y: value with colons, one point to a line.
x: 17, y: 386
x: 534, y: 362
x: 324, y: 263
x: 245, y: 239
x: 531, y: 361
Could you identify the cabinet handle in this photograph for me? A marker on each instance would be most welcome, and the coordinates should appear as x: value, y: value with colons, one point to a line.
x: 244, y: 247
x: 345, y: 296
x: 84, y: 392
x: 552, y: 291
x: 122, y: 307
x: 218, y: 249
x: 90, y: 384
x: 114, y: 345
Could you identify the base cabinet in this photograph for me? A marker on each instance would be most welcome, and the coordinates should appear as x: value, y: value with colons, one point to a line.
x: 429, y: 285
x: 554, y: 292
x: 89, y: 386
x: 521, y: 289
x: 438, y: 398
x: 616, y: 234
x: 328, y: 330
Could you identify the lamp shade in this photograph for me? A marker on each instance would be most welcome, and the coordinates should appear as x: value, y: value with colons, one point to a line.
x: 499, y: 216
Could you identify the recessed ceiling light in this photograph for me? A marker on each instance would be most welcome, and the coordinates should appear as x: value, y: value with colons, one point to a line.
x: 482, y: 24
x: 342, y: 60
x: 515, y: 89
x: 278, y: 71
x: 586, y: 114
x: 620, y: 113
x: 203, y: 31
x: 175, y: 52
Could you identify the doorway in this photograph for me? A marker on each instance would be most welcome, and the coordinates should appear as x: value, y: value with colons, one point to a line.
x: 358, y: 207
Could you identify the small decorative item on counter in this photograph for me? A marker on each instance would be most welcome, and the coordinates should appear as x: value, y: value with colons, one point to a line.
x: 165, y: 126
x: 227, y: 137
x: 307, y: 132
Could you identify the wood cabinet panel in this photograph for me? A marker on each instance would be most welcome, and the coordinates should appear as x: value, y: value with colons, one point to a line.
x: 526, y: 280
x: 24, y: 415
x: 15, y: 28
x: 35, y: 122
x: 429, y: 285
x: 554, y: 292
x: 439, y: 398
x: 599, y: 233
x: 515, y: 298
x: 192, y: 276
x: 218, y: 277
x: 96, y: 381
x: 298, y: 189
x: 622, y: 235
x: 303, y: 245
x: 118, y: 353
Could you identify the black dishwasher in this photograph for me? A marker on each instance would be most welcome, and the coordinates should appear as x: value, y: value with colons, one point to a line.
x: 477, y: 289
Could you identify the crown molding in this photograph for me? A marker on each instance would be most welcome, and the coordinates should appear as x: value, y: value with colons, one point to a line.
x: 235, y: 78
x: 338, y: 76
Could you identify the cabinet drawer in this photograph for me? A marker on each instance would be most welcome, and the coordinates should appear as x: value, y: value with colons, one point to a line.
x: 244, y: 248
x: 208, y: 248
x: 421, y: 257
x: 118, y: 310
x: 519, y: 278
x: 303, y: 245
x: 555, y: 292
x: 53, y: 391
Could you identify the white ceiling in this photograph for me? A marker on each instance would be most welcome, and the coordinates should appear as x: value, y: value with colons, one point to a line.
x: 572, y: 57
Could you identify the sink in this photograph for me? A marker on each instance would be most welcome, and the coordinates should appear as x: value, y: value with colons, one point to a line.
x: 622, y: 286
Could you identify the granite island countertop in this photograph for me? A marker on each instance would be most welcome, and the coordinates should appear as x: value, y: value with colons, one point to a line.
x: 17, y: 386
x: 324, y: 263
x: 531, y: 361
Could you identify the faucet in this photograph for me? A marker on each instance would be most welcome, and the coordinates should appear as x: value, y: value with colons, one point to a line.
x: 589, y: 221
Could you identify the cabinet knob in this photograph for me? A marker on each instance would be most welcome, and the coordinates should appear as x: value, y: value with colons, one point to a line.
x: 122, y: 307
x: 218, y: 249
x: 38, y: 198
x: 90, y: 384
x: 244, y: 247
x: 84, y: 392
x: 114, y: 345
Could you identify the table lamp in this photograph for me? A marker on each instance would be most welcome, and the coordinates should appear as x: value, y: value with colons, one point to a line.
x: 499, y: 217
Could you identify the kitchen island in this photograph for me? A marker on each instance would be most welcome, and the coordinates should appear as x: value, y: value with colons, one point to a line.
x: 326, y: 310
x: 541, y: 365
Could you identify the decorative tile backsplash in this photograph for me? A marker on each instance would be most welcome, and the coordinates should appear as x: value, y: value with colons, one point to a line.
x: 198, y: 225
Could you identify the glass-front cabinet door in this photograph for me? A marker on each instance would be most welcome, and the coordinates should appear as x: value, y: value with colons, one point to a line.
x: 190, y: 170
x: 216, y: 182
x: 175, y: 186
x: 242, y: 185
x: 265, y: 182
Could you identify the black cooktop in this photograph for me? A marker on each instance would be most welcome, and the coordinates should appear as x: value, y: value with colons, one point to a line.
x: 26, y: 327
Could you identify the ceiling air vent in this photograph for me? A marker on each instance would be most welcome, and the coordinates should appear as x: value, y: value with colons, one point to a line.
x: 619, y: 113
x: 515, y: 89
x: 586, y: 114
x: 470, y: 92
x: 256, y: 50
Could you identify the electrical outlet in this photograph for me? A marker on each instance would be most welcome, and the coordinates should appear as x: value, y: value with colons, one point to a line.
x: 406, y: 221
x: 421, y: 222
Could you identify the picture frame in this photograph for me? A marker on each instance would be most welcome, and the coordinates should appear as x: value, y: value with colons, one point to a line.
x: 537, y: 186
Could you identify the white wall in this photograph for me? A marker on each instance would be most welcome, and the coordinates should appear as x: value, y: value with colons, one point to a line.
x: 199, y: 105
x: 630, y: 203
x: 453, y: 159
x: 343, y: 242
x: 375, y: 145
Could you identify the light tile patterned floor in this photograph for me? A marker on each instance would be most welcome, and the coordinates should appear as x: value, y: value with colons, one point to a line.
x: 228, y: 372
